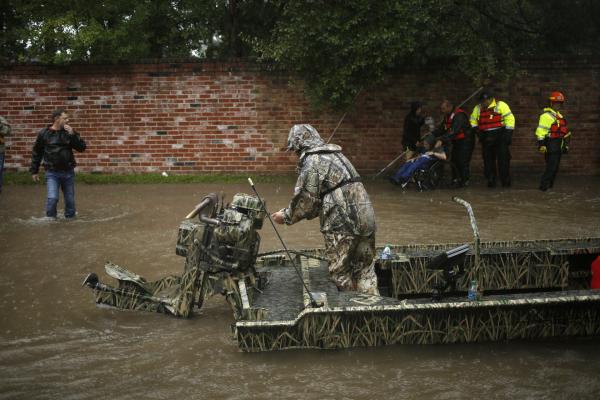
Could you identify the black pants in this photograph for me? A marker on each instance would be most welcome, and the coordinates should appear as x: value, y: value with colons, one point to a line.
x: 462, y: 150
x: 496, y: 155
x: 554, y: 147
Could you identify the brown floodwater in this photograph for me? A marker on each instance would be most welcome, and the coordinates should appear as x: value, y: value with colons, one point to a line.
x: 56, y: 344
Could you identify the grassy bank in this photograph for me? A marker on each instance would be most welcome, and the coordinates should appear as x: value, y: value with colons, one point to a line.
x: 24, y: 178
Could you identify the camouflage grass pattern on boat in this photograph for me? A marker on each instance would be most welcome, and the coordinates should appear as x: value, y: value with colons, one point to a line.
x: 503, y: 265
x: 514, y: 317
x: 494, y: 272
x: 177, y: 295
x: 347, y: 321
x: 172, y: 294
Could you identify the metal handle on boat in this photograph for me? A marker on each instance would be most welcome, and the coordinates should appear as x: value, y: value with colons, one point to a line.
x: 473, y: 226
x: 209, y: 200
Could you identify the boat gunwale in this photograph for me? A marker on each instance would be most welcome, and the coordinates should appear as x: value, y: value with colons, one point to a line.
x: 589, y: 296
x: 502, y: 246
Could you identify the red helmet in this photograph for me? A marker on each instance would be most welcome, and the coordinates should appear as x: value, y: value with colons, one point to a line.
x: 557, y: 97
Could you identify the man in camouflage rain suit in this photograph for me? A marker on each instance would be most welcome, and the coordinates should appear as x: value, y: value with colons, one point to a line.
x: 328, y: 186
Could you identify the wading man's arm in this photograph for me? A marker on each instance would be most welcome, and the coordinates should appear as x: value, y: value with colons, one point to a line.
x: 306, y: 202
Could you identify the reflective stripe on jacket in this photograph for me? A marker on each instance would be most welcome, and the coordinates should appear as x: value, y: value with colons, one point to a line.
x: 497, y: 115
x: 552, y: 124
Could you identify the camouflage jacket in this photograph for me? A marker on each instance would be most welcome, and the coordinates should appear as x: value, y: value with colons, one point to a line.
x: 328, y: 186
x: 4, y: 131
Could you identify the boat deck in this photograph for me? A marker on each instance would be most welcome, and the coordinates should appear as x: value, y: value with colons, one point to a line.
x: 285, y: 298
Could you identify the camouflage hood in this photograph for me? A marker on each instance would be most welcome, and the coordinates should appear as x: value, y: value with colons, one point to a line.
x: 324, y: 148
x: 303, y: 137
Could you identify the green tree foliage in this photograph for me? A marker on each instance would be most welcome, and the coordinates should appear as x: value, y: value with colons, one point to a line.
x: 337, y: 47
x: 111, y: 31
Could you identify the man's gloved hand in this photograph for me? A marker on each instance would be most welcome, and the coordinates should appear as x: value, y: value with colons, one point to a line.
x: 542, y: 147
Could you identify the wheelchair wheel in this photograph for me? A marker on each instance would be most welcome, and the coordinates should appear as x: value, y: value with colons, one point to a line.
x: 440, y: 175
x: 421, y: 179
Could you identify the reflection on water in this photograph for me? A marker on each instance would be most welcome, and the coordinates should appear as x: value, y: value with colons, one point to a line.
x: 60, y: 218
x: 39, y: 220
x: 55, y: 343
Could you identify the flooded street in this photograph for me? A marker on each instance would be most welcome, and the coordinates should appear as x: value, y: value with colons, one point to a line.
x: 56, y: 344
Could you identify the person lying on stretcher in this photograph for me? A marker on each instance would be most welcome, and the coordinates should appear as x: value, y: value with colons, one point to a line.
x: 431, y: 151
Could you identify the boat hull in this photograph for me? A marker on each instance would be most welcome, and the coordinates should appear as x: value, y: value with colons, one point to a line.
x: 499, y: 318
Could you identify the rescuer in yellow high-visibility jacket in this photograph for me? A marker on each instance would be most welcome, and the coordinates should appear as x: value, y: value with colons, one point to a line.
x: 552, y: 136
x: 494, y: 123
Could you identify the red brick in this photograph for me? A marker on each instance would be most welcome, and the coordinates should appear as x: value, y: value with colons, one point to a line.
x: 262, y: 108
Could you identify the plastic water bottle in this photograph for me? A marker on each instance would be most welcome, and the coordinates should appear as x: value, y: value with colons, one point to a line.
x: 386, y: 254
x: 472, y: 293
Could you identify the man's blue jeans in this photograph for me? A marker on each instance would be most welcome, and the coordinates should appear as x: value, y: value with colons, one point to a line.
x: 56, y: 180
x: 1, y: 169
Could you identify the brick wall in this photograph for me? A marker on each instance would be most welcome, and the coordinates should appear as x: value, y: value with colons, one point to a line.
x: 215, y: 117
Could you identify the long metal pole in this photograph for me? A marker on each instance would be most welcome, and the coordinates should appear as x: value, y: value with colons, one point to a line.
x: 313, y: 303
x: 470, y: 97
x: 343, y: 116
x: 390, y: 164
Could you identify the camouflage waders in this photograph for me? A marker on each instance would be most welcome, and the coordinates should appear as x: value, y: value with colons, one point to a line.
x: 351, y: 263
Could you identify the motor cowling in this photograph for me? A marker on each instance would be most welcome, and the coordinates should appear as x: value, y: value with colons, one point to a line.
x: 229, y: 242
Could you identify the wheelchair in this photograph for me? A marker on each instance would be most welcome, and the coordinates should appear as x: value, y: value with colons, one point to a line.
x: 439, y: 175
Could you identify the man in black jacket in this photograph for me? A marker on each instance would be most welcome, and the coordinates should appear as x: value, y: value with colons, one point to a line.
x: 54, y: 148
x: 412, y: 129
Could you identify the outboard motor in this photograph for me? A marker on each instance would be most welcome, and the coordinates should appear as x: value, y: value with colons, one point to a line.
x: 227, y: 241
x: 220, y: 249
